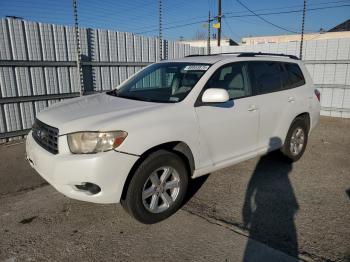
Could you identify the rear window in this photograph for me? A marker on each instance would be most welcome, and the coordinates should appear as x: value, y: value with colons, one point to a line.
x: 295, y: 76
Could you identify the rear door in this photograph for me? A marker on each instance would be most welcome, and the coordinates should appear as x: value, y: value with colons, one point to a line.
x: 267, y: 77
x: 296, y: 89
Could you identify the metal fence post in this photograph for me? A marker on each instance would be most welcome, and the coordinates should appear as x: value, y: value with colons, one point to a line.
x: 302, y: 32
x: 160, y: 30
x: 78, y: 48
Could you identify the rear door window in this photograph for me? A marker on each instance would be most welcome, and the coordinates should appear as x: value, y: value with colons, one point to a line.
x: 267, y: 76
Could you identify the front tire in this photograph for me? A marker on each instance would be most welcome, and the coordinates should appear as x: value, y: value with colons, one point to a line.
x: 296, y: 140
x: 157, y: 188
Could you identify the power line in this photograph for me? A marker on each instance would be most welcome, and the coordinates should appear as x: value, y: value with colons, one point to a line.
x: 289, y: 6
x: 289, y: 12
x: 136, y: 18
x: 229, y: 27
x: 262, y: 18
x: 225, y: 15
x: 108, y: 14
x: 173, y: 22
x: 245, y: 15
x: 106, y: 19
x: 44, y: 15
x: 172, y: 27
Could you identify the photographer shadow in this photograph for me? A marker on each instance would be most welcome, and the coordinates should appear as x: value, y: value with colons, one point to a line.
x: 269, y: 208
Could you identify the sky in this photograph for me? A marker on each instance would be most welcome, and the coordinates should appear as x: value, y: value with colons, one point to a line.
x: 184, y: 18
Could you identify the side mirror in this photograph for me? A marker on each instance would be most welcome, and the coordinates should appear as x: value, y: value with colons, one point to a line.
x: 215, y: 95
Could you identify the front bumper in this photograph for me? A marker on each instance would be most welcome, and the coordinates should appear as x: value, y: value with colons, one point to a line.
x: 64, y: 171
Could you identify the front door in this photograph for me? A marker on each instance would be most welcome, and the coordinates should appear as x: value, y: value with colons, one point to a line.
x: 229, y: 131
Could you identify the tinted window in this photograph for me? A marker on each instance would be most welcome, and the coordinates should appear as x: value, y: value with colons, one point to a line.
x: 267, y: 76
x: 285, y: 78
x: 233, y: 78
x: 295, y: 75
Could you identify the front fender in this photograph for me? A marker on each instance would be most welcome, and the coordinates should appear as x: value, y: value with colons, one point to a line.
x: 161, y: 127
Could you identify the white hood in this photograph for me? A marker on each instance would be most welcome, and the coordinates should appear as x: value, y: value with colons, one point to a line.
x: 91, y: 113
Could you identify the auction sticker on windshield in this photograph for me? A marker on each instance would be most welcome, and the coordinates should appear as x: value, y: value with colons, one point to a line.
x: 196, y: 68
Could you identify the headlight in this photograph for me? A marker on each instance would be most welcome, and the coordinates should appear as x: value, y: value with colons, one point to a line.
x: 93, y: 142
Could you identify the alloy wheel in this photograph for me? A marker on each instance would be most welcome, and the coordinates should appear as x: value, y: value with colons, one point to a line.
x: 161, y: 189
x: 297, y: 141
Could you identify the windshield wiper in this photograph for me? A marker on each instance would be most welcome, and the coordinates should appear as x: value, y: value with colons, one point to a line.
x: 116, y: 93
x: 113, y: 92
x: 133, y: 97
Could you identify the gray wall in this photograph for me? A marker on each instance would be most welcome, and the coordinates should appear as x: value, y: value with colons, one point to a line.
x: 328, y: 62
x: 38, y: 68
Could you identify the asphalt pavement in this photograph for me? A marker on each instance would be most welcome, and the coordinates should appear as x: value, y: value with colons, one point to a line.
x: 260, y: 210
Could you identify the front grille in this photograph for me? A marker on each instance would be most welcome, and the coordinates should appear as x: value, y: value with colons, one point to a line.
x: 46, y: 136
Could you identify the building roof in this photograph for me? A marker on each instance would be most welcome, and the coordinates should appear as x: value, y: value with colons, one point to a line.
x: 214, y: 58
x: 345, y: 26
x: 294, y: 38
x: 213, y: 41
x: 207, y: 59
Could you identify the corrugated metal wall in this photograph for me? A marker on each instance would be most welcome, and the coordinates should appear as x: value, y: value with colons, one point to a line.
x: 328, y: 62
x: 45, y: 55
x: 45, y: 71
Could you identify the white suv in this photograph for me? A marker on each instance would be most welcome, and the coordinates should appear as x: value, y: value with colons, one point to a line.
x: 140, y: 143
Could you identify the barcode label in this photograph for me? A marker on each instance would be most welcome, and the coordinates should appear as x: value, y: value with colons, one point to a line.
x: 196, y: 68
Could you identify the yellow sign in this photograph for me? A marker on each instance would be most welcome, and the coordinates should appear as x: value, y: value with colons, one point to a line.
x: 217, y: 25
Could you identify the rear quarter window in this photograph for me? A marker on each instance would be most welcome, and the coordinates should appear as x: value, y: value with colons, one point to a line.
x: 295, y: 75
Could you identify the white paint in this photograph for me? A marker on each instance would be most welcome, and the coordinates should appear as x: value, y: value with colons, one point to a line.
x: 218, y: 136
x: 215, y: 95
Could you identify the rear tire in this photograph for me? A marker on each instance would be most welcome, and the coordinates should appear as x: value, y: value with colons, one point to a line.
x: 296, y: 140
x: 157, y: 188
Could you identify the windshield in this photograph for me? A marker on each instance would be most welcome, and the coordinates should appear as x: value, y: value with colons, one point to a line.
x: 162, y: 82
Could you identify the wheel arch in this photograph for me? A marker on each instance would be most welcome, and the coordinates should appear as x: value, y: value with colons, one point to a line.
x: 178, y: 147
x: 306, y: 117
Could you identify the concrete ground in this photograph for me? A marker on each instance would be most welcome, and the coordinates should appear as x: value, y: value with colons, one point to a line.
x: 300, y: 210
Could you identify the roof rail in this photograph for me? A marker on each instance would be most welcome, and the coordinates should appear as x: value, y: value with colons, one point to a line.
x: 249, y: 54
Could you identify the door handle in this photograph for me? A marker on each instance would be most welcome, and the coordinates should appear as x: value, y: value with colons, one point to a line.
x: 291, y: 99
x: 252, y: 108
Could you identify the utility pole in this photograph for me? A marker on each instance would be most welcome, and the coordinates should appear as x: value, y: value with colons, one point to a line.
x: 160, y: 31
x: 78, y: 49
x: 302, y: 32
x: 219, y: 22
x: 208, y: 45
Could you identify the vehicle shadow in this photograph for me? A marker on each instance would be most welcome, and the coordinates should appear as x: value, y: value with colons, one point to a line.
x: 193, y: 187
x: 269, y: 208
